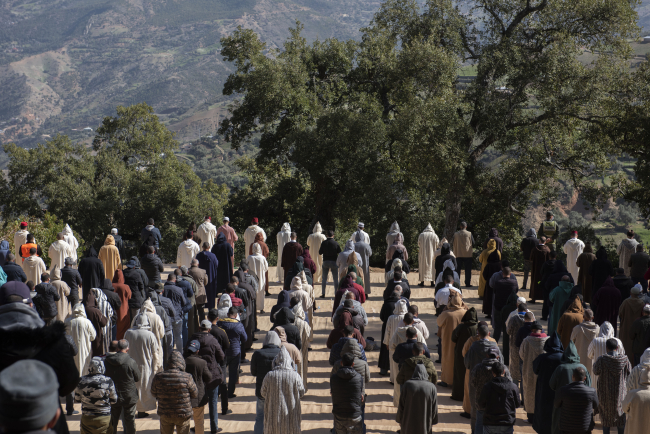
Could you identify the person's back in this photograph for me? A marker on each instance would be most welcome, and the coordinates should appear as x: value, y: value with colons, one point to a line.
x: 132, y: 278
x: 4, y: 251
x: 50, y: 296
x: 97, y: 393
x: 499, y: 400
x: 346, y: 388
x: 73, y: 279
x: 174, y: 389
x: 577, y: 402
x: 125, y: 373
x: 14, y: 272
x: 262, y: 364
x: 418, y: 404
x: 152, y: 266
x: 612, y: 369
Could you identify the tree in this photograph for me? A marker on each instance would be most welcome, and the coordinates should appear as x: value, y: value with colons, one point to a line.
x: 369, y: 122
x: 131, y: 175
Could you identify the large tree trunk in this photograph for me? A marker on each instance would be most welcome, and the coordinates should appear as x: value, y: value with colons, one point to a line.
x: 452, y: 210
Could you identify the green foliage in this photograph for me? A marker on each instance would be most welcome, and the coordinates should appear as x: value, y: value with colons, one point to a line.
x: 131, y: 175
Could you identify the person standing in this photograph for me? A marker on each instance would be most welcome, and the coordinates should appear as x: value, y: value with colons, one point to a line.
x: 177, y: 296
x: 480, y: 375
x: 110, y: 257
x: 418, y: 404
x: 314, y: 242
x: 582, y: 336
x: 346, y: 388
x: 584, y: 276
x: 606, y: 303
x: 499, y: 400
x: 364, y: 235
x: 200, y: 277
x: 187, y: 250
x: 150, y: 235
x: 428, y: 242
x: 231, y: 236
x: 330, y: 250
x: 145, y: 352
x: 20, y: 238
x: 262, y: 364
x: 58, y: 251
x: 4, y: 252
x: 119, y: 242
x: 34, y: 267
x: 538, y: 257
x: 531, y: 347
x: 72, y: 278
x: 174, y: 389
x: 639, y: 330
x: 133, y: 279
x: 82, y: 332
x: 573, y: 249
x: 152, y: 266
x: 638, y: 264
x: 625, y: 250
x: 526, y: 246
x: 447, y: 322
x: 14, y: 271
x: 48, y: 295
x: 198, y: 369
x: 598, y: 346
x: 97, y: 394
x: 363, y: 249
x: 550, y: 229
x: 392, y: 234
x: 251, y: 232
x: 636, y: 404
x: 207, y: 232
x: 282, y: 390
x: 623, y: 283
x: 290, y: 253
x: 224, y: 254
x: 544, y: 366
x: 282, y: 238
x: 612, y: 370
x: 208, y: 262
x: 259, y: 267
x: 558, y: 295
x: 631, y: 309
x: 29, y: 244
x: 125, y: 373
x: 63, y: 306
x: 577, y: 403
x: 236, y: 334
x: 601, y: 269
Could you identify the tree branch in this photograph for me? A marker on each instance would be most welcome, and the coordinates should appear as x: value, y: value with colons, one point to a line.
x: 523, y: 14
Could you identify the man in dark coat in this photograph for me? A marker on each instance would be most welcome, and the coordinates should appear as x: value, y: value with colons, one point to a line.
x: 494, y: 235
x: 346, y: 388
x: 98, y: 320
x: 544, y: 366
x: 499, y: 400
x: 165, y: 311
x: 152, y: 266
x: 222, y: 250
x: 92, y: 272
x: 119, y: 242
x: 180, y: 303
x: 363, y: 249
x: 72, y: 278
x: 547, y: 270
x: 606, y: 303
x: 220, y: 335
x: 4, y: 252
x: 418, y: 404
x: 248, y: 283
x: 208, y: 262
x: 404, y: 351
x: 236, y: 334
x: 465, y: 330
x: 243, y: 291
x: 14, y: 272
x: 638, y: 264
x: 133, y: 280
x: 197, y: 367
x: 503, y: 289
x: 48, y: 296
x: 479, y: 376
x: 527, y: 245
x: 623, y: 283
x: 290, y: 253
x: 600, y: 270
x: 398, y: 279
x: 445, y: 254
x: 538, y: 258
x: 138, y: 268
x: 262, y: 364
x: 285, y: 318
x: 125, y: 373
x: 577, y: 403
x: 640, y: 328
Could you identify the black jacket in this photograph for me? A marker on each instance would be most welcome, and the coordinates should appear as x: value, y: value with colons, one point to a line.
x: 640, y: 328
x: 14, y: 272
x: 92, y: 272
x: 285, y: 318
x: 390, y: 287
x: 499, y: 400
x: 523, y: 333
x: 113, y: 299
x: 578, y: 402
x: 213, y: 355
x: 262, y: 364
x: 553, y: 279
x: 221, y: 336
x: 527, y: 245
x: 503, y: 288
x: 152, y: 266
x: 198, y: 369
x: 119, y: 243
x: 624, y: 284
x: 330, y: 249
x: 177, y: 297
x: 50, y: 297
x: 443, y: 257
x: 134, y: 280
x: 72, y: 277
x: 404, y: 351
x: 125, y: 373
x: 346, y: 387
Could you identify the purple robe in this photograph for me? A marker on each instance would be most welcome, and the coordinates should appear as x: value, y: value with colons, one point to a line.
x: 209, y: 263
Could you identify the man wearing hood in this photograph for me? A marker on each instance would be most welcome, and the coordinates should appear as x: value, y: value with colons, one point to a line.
x: 110, y: 257
x: 598, y: 346
x: 392, y: 234
x: 636, y: 404
x: 531, y: 347
x: 82, y: 332
x: 527, y: 245
x: 625, y: 250
x: 101, y: 322
x: 156, y: 324
x: 72, y: 278
x: 200, y: 277
x: 447, y: 322
x: 538, y: 258
x: 58, y: 251
x: 363, y: 249
x: 63, y: 304
x: 398, y: 244
x: 631, y: 309
x: 571, y: 318
x: 427, y: 244
x: 406, y: 371
x: 582, y: 336
x: 562, y: 376
x: 251, y: 232
x: 187, y: 250
x: 282, y: 390
x: 342, y: 258
x: 125, y: 373
x: 223, y: 252
x: 314, y: 242
x: 445, y: 255
x: 463, y: 331
x: 285, y: 318
x: 600, y: 270
x: 260, y: 268
x: 544, y: 366
x: 573, y: 249
x: 174, y: 389
x: 207, y: 232
x: 623, y: 283
x: 355, y: 308
x: 493, y: 234
x: 282, y: 238
x: 479, y: 376
x: 638, y: 334
x: 399, y: 337
x: 145, y: 351
x: 290, y: 252
x: 418, y: 405
x: 384, y: 315
x: 132, y: 278
x: 247, y: 286
x: 198, y: 369
x: 34, y: 266
x: 499, y: 400
x: 346, y: 388
x: 97, y: 393
x: 612, y: 369
x: 558, y: 295
x: 262, y: 364
x: 606, y: 303
x: 401, y: 309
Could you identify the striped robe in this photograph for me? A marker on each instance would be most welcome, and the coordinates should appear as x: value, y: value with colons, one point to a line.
x: 105, y: 308
x: 282, y: 390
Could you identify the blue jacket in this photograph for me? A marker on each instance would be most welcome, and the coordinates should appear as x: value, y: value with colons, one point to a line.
x: 335, y: 352
x: 144, y: 234
x: 14, y: 272
x: 177, y: 297
x: 4, y: 251
x: 236, y: 334
x: 187, y: 289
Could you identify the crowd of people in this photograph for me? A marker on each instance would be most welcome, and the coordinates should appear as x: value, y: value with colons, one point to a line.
x: 111, y: 333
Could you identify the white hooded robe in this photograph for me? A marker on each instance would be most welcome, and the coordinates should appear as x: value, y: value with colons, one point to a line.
x: 626, y: 249
x: 144, y: 349
x: 428, y: 243
x: 187, y: 251
x: 82, y: 332
x: 573, y: 248
x: 283, y: 237
x: 258, y: 266
x: 314, y: 241
x: 157, y: 326
x: 58, y: 251
x: 393, y: 233
x: 20, y: 238
x: 207, y: 232
x: 391, y: 326
x: 33, y: 268
x: 249, y: 236
x: 69, y: 238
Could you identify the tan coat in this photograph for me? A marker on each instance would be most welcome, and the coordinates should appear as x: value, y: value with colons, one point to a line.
x: 462, y: 244
x: 570, y: 319
x: 428, y: 243
x: 110, y: 257
x: 447, y: 321
x: 294, y: 352
x: 63, y: 305
x: 33, y: 268
x: 467, y: 405
x: 314, y: 241
x: 630, y: 310
x: 582, y: 335
x: 530, y: 348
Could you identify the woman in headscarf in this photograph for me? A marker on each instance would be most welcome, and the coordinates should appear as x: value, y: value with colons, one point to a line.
x: 483, y: 259
x: 398, y: 244
x: 309, y: 262
x: 225, y: 303
x: 598, y: 346
x: 391, y: 269
x: 492, y: 265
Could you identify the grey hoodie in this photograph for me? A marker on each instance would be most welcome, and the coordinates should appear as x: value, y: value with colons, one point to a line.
x: 360, y: 365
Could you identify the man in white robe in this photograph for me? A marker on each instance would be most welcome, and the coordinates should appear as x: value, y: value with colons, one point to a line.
x: 283, y: 237
x: 428, y: 243
x: 207, y: 232
x: 82, y: 332
x: 314, y: 241
x: 20, y: 238
x: 364, y: 235
x: 393, y: 233
x: 258, y: 266
x: 144, y: 349
x: 69, y: 238
x: 250, y: 232
x: 187, y: 251
x: 626, y: 249
x: 573, y: 248
x: 58, y: 251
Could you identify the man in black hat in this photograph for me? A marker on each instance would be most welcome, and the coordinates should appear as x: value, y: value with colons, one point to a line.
x: 29, y: 398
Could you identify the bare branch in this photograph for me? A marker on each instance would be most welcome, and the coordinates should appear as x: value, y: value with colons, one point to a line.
x: 522, y: 15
